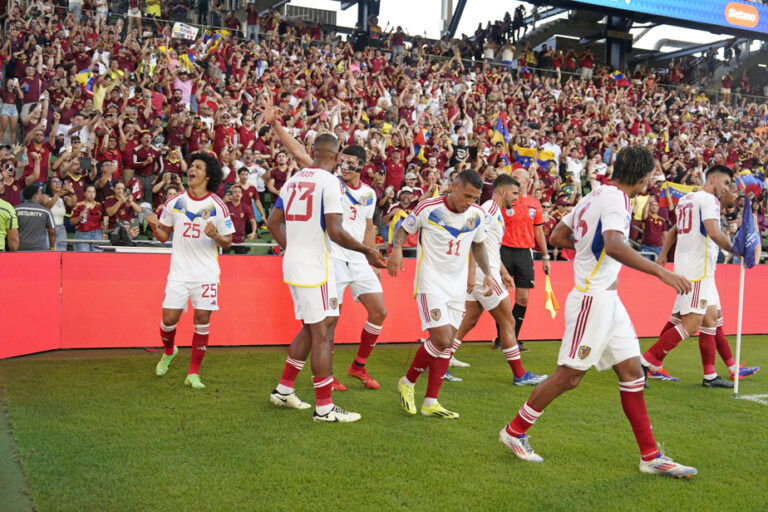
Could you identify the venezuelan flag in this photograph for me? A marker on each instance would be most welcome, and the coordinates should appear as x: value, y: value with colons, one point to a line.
x: 544, y: 158
x: 749, y: 183
x: 86, y: 80
x: 419, y: 141
x: 619, y: 79
x: 501, y: 126
x: 525, y: 156
x: 675, y: 191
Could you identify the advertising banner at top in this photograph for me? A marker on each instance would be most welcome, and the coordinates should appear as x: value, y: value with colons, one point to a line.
x: 725, y: 13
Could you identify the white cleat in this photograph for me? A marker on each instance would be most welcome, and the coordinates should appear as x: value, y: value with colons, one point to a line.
x: 336, y: 415
x: 290, y: 400
x: 663, y: 465
x: 459, y: 364
x: 519, y: 446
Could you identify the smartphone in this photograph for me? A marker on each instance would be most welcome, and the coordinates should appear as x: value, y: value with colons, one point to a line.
x: 85, y: 163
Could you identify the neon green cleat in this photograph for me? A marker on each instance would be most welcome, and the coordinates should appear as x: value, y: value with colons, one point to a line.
x: 439, y: 411
x: 193, y: 380
x: 406, y: 396
x: 165, y: 362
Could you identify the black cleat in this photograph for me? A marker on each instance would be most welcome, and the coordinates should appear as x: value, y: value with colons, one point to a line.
x: 717, y: 382
x: 646, y: 369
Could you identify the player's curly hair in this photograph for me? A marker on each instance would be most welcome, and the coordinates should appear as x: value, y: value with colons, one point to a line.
x: 212, y: 170
x: 633, y: 164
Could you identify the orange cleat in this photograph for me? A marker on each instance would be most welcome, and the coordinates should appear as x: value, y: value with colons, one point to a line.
x: 361, y: 374
x: 338, y: 386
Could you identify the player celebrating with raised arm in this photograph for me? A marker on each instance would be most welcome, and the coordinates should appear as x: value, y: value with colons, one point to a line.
x: 352, y: 269
x: 449, y: 227
x: 598, y: 331
x: 201, y: 224
x: 698, y: 238
x: 505, y: 193
x: 307, y: 213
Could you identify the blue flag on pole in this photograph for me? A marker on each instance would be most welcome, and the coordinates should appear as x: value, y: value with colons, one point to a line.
x: 747, y: 239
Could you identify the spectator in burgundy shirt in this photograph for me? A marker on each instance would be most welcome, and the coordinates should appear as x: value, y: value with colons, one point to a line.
x: 395, y: 168
x: 654, y: 229
x: 147, y: 164
x: 87, y: 217
x: 120, y: 206
x: 242, y: 215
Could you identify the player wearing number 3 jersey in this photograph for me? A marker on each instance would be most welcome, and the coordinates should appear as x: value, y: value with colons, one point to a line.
x: 449, y: 227
x: 306, y: 218
x: 598, y: 331
x: 200, y: 224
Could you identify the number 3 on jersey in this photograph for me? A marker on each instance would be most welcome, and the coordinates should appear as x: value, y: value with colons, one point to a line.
x: 303, y: 190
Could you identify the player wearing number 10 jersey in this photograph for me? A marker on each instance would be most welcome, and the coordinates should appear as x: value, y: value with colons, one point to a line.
x: 698, y: 241
x: 201, y: 224
x: 449, y: 227
x: 307, y: 214
x: 598, y: 331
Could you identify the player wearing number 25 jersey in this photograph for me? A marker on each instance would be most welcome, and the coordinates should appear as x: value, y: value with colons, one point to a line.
x: 200, y: 224
x: 598, y: 331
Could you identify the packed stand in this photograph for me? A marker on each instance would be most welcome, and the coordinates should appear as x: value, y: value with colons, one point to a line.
x: 103, y: 115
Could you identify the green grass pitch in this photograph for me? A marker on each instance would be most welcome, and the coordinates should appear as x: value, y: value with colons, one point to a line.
x: 96, y: 431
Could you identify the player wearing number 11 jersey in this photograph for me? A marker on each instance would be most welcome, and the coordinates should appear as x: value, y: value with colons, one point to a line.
x: 598, y: 331
x: 449, y: 227
x: 201, y: 224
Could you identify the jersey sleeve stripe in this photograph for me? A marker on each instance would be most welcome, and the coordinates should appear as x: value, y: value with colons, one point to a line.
x: 429, y: 202
x: 167, y: 203
x: 221, y: 204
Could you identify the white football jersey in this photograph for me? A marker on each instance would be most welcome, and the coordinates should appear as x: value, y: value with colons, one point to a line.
x: 604, y: 209
x: 696, y: 254
x: 445, y: 240
x: 359, y: 205
x: 305, y: 199
x: 494, y: 229
x: 194, y: 256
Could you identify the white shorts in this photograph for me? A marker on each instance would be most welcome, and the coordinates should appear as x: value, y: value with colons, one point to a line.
x: 134, y: 13
x: 491, y: 301
x: 359, y: 276
x: 313, y: 305
x: 436, y: 311
x: 598, y: 332
x: 203, y: 295
x: 703, y: 294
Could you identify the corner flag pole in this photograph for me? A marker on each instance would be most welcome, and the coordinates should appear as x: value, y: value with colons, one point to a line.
x: 738, y: 330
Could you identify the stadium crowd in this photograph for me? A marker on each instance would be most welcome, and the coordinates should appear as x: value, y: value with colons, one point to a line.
x: 100, y: 111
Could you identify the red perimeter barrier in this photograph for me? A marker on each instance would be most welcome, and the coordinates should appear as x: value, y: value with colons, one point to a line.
x: 87, y: 300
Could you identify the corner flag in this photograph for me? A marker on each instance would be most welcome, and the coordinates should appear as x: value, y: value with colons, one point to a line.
x: 550, y: 301
x: 747, y: 241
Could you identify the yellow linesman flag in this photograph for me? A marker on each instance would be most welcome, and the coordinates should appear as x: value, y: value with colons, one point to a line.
x: 550, y: 301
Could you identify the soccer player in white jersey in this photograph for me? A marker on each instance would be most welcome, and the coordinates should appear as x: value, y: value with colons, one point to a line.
x: 352, y: 269
x: 598, y: 331
x: 200, y: 223
x: 449, y: 227
x: 505, y: 193
x: 698, y: 238
x: 307, y: 213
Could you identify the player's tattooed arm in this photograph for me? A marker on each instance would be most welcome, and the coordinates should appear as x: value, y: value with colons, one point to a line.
x: 669, y: 240
x: 340, y: 236
x: 395, y: 262
x: 562, y: 237
x: 276, y: 227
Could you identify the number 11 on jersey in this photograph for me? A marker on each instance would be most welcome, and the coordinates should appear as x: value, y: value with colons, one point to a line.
x: 451, y: 245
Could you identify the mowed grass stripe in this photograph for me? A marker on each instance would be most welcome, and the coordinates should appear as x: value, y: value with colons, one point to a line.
x: 106, y: 434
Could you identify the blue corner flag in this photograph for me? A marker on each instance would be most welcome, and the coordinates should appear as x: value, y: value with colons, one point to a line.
x: 747, y: 239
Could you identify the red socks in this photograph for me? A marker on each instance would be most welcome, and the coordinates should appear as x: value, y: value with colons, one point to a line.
x: 291, y: 371
x: 323, y: 388
x: 199, y: 347
x: 524, y: 420
x: 367, y: 341
x: 422, y: 360
x: 167, y: 335
x: 669, y: 340
x: 707, y: 348
x: 512, y: 356
x: 633, y: 403
x: 723, y: 348
x: 437, y: 374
